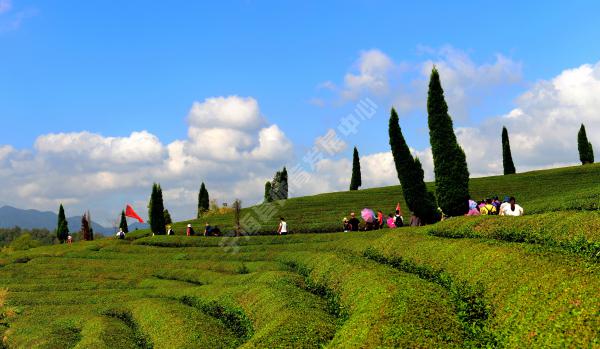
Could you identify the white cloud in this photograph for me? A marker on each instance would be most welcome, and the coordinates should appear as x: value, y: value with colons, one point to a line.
x: 404, y: 84
x: 230, y: 145
x: 139, y: 147
x: 372, y: 76
x: 231, y: 112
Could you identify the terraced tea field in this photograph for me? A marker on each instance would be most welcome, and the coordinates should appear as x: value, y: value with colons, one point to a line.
x: 532, y: 281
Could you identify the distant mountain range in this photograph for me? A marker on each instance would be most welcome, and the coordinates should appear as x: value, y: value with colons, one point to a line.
x: 30, y: 219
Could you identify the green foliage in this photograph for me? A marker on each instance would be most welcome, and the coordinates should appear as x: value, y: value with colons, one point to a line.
x: 44, y: 236
x: 167, y: 215
x: 123, y: 224
x: 277, y: 189
x: 267, y: 196
x: 469, y: 300
x: 62, y: 227
x: 554, y: 190
x: 86, y: 231
x: 507, y: 161
x: 23, y: 242
x: 586, y: 151
x: 572, y: 232
x: 156, y: 211
x: 203, y: 200
x: 450, y: 163
x: 410, y: 174
x: 356, y: 180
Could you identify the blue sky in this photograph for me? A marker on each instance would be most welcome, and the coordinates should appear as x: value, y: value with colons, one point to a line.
x: 117, y: 67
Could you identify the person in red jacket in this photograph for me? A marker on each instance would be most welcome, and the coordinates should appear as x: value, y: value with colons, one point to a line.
x: 190, y: 230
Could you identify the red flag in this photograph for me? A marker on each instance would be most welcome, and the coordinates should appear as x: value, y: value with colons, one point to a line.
x: 129, y: 212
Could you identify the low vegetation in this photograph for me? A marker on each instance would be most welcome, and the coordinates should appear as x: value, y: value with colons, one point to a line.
x: 520, y: 282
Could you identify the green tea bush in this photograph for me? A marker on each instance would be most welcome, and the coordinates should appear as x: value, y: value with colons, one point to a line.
x: 574, y: 232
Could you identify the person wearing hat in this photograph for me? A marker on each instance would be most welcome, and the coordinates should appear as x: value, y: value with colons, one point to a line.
x: 169, y: 230
x: 190, y: 230
x: 347, y: 226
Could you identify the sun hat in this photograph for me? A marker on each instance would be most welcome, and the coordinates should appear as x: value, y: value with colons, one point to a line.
x: 189, y: 225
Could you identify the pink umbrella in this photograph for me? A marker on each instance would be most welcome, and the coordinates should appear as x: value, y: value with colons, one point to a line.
x: 391, y: 223
x: 367, y: 214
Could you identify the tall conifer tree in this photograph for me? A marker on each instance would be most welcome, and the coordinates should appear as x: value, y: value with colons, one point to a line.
x: 268, y: 197
x: 507, y: 161
x: 156, y: 211
x: 62, y: 227
x: 586, y: 152
x: 410, y: 173
x: 355, y: 180
x: 449, y: 160
x: 203, y: 200
x: 123, y: 224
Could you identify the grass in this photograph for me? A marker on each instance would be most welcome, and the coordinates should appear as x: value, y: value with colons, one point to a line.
x: 563, y: 189
x: 522, y: 282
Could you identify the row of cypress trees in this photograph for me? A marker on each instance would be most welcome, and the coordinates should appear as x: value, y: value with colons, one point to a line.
x: 449, y: 160
x: 62, y: 226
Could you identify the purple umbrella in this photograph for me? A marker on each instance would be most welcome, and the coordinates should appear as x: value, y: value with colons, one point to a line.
x: 367, y: 214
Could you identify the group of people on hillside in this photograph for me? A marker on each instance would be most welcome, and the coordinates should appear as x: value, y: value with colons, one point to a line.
x: 493, y: 206
x: 375, y: 221
x: 208, y: 230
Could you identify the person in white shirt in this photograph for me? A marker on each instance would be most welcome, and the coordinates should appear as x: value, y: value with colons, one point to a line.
x: 282, y: 230
x: 512, y: 209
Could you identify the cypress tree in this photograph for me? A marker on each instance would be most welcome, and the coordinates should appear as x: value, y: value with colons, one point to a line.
x: 268, y: 197
x: 449, y: 160
x: 355, y: 181
x: 283, y: 185
x: 586, y: 152
x: 123, y: 225
x: 203, y: 200
x: 507, y: 161
x: 410, y: 174
x: 156, y: 211
x: 85, y: 228
x: 62, y: 227
x: 168, y: 220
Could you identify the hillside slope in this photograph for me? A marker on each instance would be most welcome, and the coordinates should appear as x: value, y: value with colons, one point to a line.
x: 570, y: 188
x: 506, y: 282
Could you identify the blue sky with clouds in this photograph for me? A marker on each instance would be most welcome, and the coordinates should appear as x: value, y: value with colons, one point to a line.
x: 123, y: 77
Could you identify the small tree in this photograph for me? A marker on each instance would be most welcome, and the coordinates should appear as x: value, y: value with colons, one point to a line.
x: 237, y: 211
x: 410, y: 173
x: 268, y: 197
x: 277, y: 189
x: 62, y: 227
x: 156, y: 211
x: 123, y: 225
x: 507, y: 161
x: 203, y: 200
x: 283, y: 185
x: 168, y: 220
x: 449, y: 160
x: 586, y: 152
x: 85, y: 228
x: 355, y: 181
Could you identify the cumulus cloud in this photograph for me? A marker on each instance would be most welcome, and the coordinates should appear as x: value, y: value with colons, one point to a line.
x: 372, y: 76
x: 404, y: 84
x: 229, y: 144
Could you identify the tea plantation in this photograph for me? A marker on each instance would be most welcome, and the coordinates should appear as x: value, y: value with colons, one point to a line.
x: 531, y: 281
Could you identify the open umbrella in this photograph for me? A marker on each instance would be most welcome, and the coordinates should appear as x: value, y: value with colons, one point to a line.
x: 367, y: 214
